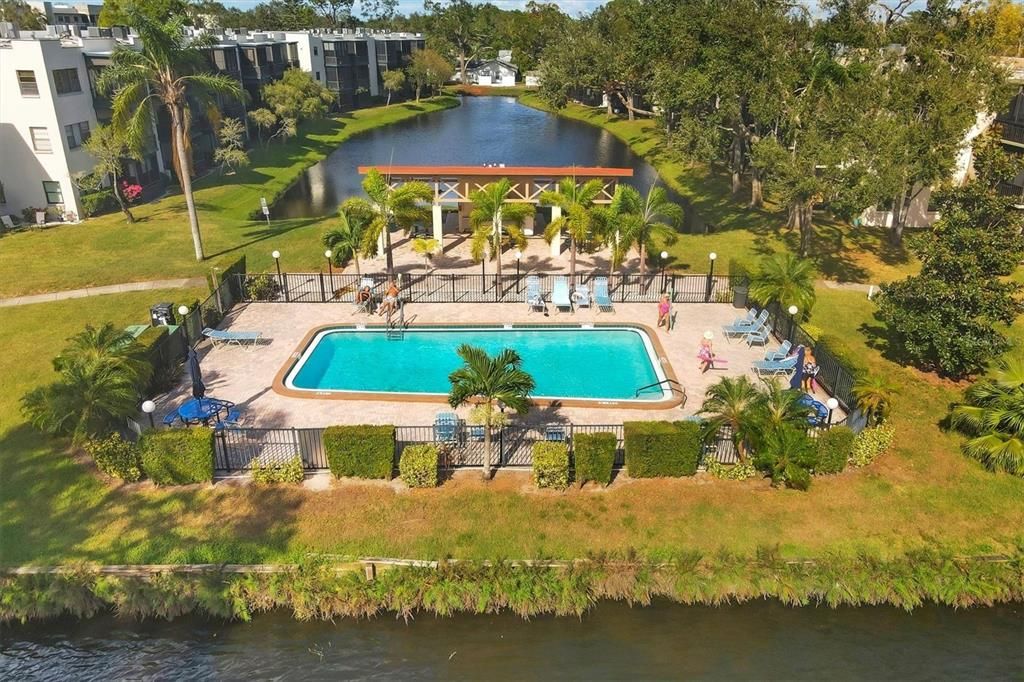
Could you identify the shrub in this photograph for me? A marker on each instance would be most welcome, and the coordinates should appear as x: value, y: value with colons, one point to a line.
x: 595, y: 455
x: 95, y: 203
x: 362, y: 451
x: 788, y: 455
x: 287, y: 471
x: 740, y: 471
x: 550, y: 465
x: 264, y: 287
x: 870, y: 443
x: 116, y: 457
x: 662, y: 448
x: 178, y: 456
x: 418, y: 466
x: 834, y: 449
x: 837, y: 348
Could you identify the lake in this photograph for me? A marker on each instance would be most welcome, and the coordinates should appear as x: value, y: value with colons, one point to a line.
x: 758, y: 640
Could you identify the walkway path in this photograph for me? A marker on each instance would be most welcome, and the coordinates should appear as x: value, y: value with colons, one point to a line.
x: 98, y: 291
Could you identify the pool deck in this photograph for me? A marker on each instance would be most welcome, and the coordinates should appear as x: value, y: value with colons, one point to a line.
x: 246, y: 377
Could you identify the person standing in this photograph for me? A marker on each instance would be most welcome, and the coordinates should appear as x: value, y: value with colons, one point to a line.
x: 664, y: 312
x: 810, y: 370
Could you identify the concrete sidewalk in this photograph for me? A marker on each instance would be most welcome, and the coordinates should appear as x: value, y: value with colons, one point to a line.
x: 99, y: 291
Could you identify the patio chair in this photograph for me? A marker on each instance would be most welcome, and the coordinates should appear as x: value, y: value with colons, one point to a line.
x: 554, y: 434
x: 7, y: 221
x: 747, y: 319
x: 40, y: 218
x: 581, y: 296
x: 476, y: 434
x: 560, y: 294
x: 534, y: 298
x: 446, y: 426
x: 741, y: 328
x: 601, y: 297
x: 779, y: 353
x: 819, y: 413
x: 170, y: 418
x: 773, y: 367
x: 367, y: 305
x: 227, y: 338
x: 758, y: 336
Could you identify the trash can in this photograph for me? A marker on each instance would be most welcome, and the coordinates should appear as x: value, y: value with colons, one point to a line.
x: 162, y: 314
x: 739, y: 294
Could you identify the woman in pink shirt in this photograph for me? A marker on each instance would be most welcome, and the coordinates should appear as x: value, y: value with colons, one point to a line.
x: 664, y: 308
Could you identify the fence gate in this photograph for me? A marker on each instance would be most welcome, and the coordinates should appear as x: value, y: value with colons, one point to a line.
x: 239, y: 449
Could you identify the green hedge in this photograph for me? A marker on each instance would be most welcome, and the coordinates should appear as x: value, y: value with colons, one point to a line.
x: 178, y: 456
x: 418, y: 466
x: 835, y: 447
x: 362, y: 451
x: 116, y: 457
x: 551, y: 465
x: 163, y: 356
x: 289, y: 471
x: 594, y: 454
x: 838, y: 349
x: 662, y: 448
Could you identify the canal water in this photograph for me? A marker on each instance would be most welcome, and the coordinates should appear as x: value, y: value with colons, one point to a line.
x: 760, y: 640
x: 484, y: 130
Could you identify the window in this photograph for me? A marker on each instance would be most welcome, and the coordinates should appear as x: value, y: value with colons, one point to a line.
x: 318, y: 75
x: 350, y: 47
x: 219, y: 61
x: 27, y: 83
x: 54, y: 195
x: 40, y: 139
x: 3, y: 196
x: 66, y: 81
x: 76, y: 134
x: 316, y: 51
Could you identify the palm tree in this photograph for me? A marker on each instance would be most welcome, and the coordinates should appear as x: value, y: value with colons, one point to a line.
x: 874, y: 396
x: 426, y: 248
x: 493, y: 216
x: 645, y: 218
x: 784, y: 279
x: 390, y: 207
x: 576, y: 202
x: 100, y: 375
x: 787, y: 455
x: 994, y: 416
x: 347, y: 240
x: 731, y: 402
x: 778, y: 405
x: 167, y: 71
x: 486, y: 380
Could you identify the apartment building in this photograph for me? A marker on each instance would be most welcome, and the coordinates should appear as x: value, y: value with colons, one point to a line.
x: 68, y: 14
x: 1010, y: 129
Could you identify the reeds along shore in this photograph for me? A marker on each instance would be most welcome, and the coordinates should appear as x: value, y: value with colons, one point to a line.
x: 321, y: 589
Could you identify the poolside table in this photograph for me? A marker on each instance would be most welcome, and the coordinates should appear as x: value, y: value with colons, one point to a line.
x: 202, y: 410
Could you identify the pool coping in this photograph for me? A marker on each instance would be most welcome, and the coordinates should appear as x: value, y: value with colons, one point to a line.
x: 279, y: 386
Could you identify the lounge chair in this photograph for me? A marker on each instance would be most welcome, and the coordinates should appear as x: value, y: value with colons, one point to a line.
x: 8, y: 222
x: 367, y: 305
x: 743, y: 327
x: 219, y: 337
x: 534, y: 298
x: 581, y: 296
x: 560, y: 294
x: 758, y: 336
x: 747, y: 319
x: 170, y: 418
x: 555, y: 434
x: 476, y: 434
x: 779, y: 353
x: 446, y: 427
x: 773, y: 367
x: 601, y: 297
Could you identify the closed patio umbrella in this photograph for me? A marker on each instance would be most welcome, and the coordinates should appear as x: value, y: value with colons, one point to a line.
x: 798, y: 374
x: 198, y: 387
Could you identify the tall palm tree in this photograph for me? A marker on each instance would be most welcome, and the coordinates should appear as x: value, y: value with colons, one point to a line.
x: 390, y: 207
x: 874, y: 396
x: 347, y: 239
x: 778, y: 405
x: 487, y: 380
x: 731, y: 402
x: 493, y: 216
x: 644, y: 218
x: 994, y: 416
x: 784, y: 279
x: 168, y: 71
x: 576, y: 202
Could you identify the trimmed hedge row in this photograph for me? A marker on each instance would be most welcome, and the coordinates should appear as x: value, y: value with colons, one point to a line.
x: 835, y: 447
x: 418, y: 466
x: 656, y: 449
x: 595, y: 456
x: 551, y: 465
x: 363, y: 451
x: 178, y: 456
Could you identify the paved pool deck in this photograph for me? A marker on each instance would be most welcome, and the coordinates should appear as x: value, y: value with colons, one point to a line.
x: 246, y: 377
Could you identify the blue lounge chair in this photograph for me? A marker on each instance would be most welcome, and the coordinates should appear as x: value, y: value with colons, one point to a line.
x: 245, y: 339
x: 581, y: 296
x: 534, y: 298
x: 446, y: 426
x: 773, y: 367
x: 170, y: 418
x: 555, y: 434
x: 601, y: 297
x: 747, y: 319
x: 560, y: 294
x: 758, y: 336
x: 743, y: 327
x: 476, y: 434
x: 779, y: 353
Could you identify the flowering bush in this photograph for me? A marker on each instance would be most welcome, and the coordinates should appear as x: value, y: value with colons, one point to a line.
x: 731, y: 472
x: 130, y: 191
x: 870, y: 443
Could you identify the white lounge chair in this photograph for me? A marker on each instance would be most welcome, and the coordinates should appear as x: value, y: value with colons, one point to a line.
x: 560, y: 294
x: 581, y: 296
x: 219, y: 337
x: 534, y: 298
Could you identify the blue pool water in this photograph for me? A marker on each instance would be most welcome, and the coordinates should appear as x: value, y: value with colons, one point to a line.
x: 598, y: 364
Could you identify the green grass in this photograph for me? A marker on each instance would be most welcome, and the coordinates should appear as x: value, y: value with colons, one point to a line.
x: 106, y: 250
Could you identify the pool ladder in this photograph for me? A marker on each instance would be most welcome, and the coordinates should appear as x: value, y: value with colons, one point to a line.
x: 672, y: 385
x: 396, y: 325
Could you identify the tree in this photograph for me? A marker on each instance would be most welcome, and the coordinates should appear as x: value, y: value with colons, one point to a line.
x: 786, y: 280
x: 23, y: 15
x: 576, y: 202
x: 99, y: 377
x: 492, y: 217
x: 487, y: 380
x: 348, y: 238
x: 231, y: 154
x: 731, y: 402
x: 788, y: 456
x: 429, y: 68
x: 993, y: 416
x: 334, y: 12
x: 110, y: 148
x: 1008, y: 19
x: 426, y: 248
x: 460, y: 24
x: 644, y: 218
x: 390, y: 208
x: 297, y: 97
x: 264, y: 119
x: 124, y: 12
x: 393, y: 79
x: 167, y: 70
x: 874, y: 396
x: 777, y: 405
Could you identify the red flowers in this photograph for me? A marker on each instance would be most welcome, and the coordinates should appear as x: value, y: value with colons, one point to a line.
x: 130, y: 192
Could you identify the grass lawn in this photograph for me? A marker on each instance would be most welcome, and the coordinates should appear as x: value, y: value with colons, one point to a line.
x: 106, y: 250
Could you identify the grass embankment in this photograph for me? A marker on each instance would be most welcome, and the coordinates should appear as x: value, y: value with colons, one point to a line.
x: 106, y: 250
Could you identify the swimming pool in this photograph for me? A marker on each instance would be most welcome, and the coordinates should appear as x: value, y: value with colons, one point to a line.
x: 595, y: 365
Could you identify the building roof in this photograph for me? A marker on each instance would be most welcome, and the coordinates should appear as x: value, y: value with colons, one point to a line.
x: 491, y: 171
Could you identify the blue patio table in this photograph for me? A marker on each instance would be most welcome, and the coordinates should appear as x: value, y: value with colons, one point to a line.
x: 201, y: 410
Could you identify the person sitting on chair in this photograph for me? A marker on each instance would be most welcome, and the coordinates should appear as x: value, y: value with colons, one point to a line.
x: 390, y: 302
x: 364, y: 295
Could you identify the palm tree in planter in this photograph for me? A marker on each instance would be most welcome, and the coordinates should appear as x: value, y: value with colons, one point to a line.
x: 784, y: 279
x: 644, y: 218
x: 347, y: 239
x: 493, y: 217
x: 169, y: 71
x: 576, y: 202
x: 390, y: 207
x: 486, y: 380
x: 426, y: 248
x: 731, y: 402
x: 874, y: 396
x: 993, y: 417
x: 778, y: 405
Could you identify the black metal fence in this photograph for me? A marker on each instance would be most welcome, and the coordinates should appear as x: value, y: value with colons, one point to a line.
x: 210, y: 311
x: 437, y: 287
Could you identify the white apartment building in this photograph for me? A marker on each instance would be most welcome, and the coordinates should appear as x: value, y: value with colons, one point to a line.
x: 68, y: 13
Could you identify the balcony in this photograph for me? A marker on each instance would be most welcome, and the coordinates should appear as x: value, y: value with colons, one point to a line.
x: 1010, y: 132
x: 1008, y: 189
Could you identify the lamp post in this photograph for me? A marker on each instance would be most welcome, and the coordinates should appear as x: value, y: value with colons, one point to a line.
x: 149, y: 407
x: 664, y: 262
x: 712, y: 257
x: 276, y: 255
x: 831, y: 404
x: 793, y: 310
x: 183, y: 311
x: 519, y: 257
x: 483, y: 275
x: 330, y: 268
